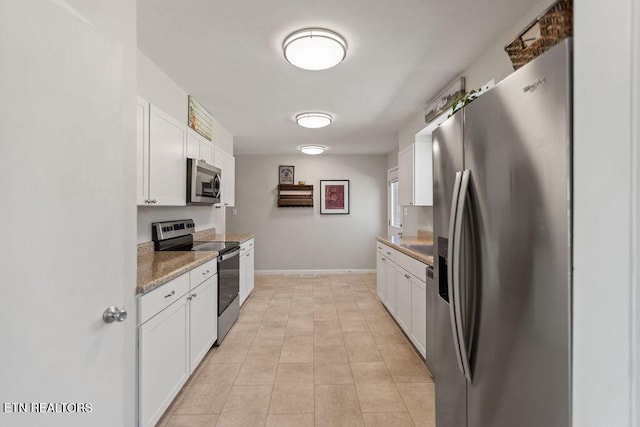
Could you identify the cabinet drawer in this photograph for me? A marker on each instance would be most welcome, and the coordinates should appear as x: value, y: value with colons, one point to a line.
x: 203, y: 272
x: 387, y: 251
x: 246, y: 246
x: 412, y: 265
x: 157, y: 300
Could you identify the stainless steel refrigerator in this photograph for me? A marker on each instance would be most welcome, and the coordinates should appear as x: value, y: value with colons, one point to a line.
x: 502, y: 225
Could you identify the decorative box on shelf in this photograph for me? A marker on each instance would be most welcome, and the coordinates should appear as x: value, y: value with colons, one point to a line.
x: 295, y: 196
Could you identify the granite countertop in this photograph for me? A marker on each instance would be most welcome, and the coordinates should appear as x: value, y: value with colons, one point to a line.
x: 396, y: 241
x: 157, y: 268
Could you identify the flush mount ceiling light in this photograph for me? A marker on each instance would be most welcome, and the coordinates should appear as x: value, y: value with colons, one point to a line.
x: 314, y: 49
x: 312, y: 149
x: 313, y: 120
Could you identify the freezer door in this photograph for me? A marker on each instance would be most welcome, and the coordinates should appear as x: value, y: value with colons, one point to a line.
x: 517, y: 147
x: 450, y: 383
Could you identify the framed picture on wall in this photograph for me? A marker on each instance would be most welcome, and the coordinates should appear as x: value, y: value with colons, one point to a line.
x: 334, y: 197
x: 286, y: 174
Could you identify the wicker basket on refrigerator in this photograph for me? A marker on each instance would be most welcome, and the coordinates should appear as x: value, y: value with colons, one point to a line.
x: 554, y: 25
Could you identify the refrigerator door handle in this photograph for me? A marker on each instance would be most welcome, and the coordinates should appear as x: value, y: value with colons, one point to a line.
x: 457, y: 303
x: 452, y: 273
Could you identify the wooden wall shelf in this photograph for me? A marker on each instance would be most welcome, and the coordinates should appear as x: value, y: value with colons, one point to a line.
x: 295, y: 196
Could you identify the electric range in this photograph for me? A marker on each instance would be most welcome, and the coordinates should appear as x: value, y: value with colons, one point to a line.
x: 178, y: 236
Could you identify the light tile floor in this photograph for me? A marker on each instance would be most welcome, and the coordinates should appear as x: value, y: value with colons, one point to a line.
x: 309, y: 351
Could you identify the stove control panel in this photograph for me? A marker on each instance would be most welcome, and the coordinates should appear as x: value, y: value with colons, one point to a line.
x: 170, y: 229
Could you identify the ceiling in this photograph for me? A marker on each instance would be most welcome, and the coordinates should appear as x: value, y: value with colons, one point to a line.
x: 401, y: 53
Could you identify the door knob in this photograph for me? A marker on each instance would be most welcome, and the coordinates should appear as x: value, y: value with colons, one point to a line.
x: 113, y: 314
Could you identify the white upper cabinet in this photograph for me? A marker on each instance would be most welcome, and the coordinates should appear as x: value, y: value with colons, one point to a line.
x: 227, y: 164
x: 415, y: 173
x: 142, y: 147
x: 161, y: 144
x: 167, y: 164
x: 193, y: 145
x: 199, y: 147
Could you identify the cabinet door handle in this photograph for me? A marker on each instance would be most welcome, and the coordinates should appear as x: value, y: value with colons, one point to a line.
x: 383, y: 258
x: 204, y: 273
x: 194, y: 295
x: 407, y: 276
x: 248, y: 255
x: 171, y: 294
x: 389, y: 253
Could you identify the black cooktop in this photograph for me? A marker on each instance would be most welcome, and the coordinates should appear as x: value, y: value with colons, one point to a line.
x: 221, y: 247
x: 214, y: 246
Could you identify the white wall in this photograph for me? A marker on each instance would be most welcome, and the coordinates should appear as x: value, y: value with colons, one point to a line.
x: 392, y: 160
x: 492, y: 64
x: 301, y: 238
x: 606, y: 120
x: 158, y: 88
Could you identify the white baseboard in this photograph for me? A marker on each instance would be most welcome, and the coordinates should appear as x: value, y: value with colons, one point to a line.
x: 312, y: 272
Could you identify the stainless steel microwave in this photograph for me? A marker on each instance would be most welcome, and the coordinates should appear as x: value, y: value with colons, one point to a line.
x: 203, y: 183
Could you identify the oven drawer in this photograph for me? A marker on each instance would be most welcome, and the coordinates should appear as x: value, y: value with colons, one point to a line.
x: 158, y: 299
x: 203, y: 272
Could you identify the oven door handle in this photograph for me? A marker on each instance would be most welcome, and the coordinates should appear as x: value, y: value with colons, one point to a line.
x: 227, y: 255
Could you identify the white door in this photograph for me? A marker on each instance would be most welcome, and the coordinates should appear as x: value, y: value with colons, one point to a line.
x: 68, y: 185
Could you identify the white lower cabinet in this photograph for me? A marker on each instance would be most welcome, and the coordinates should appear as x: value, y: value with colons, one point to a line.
x: 391, y: 293
x: 401, y: 287
x: 419, y: 315
x: 202, y: 320
x: 163, y: 360
x: 381, y: 276
x: 247, y: 269
x: 177, y: 327
x: 403, y: 312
